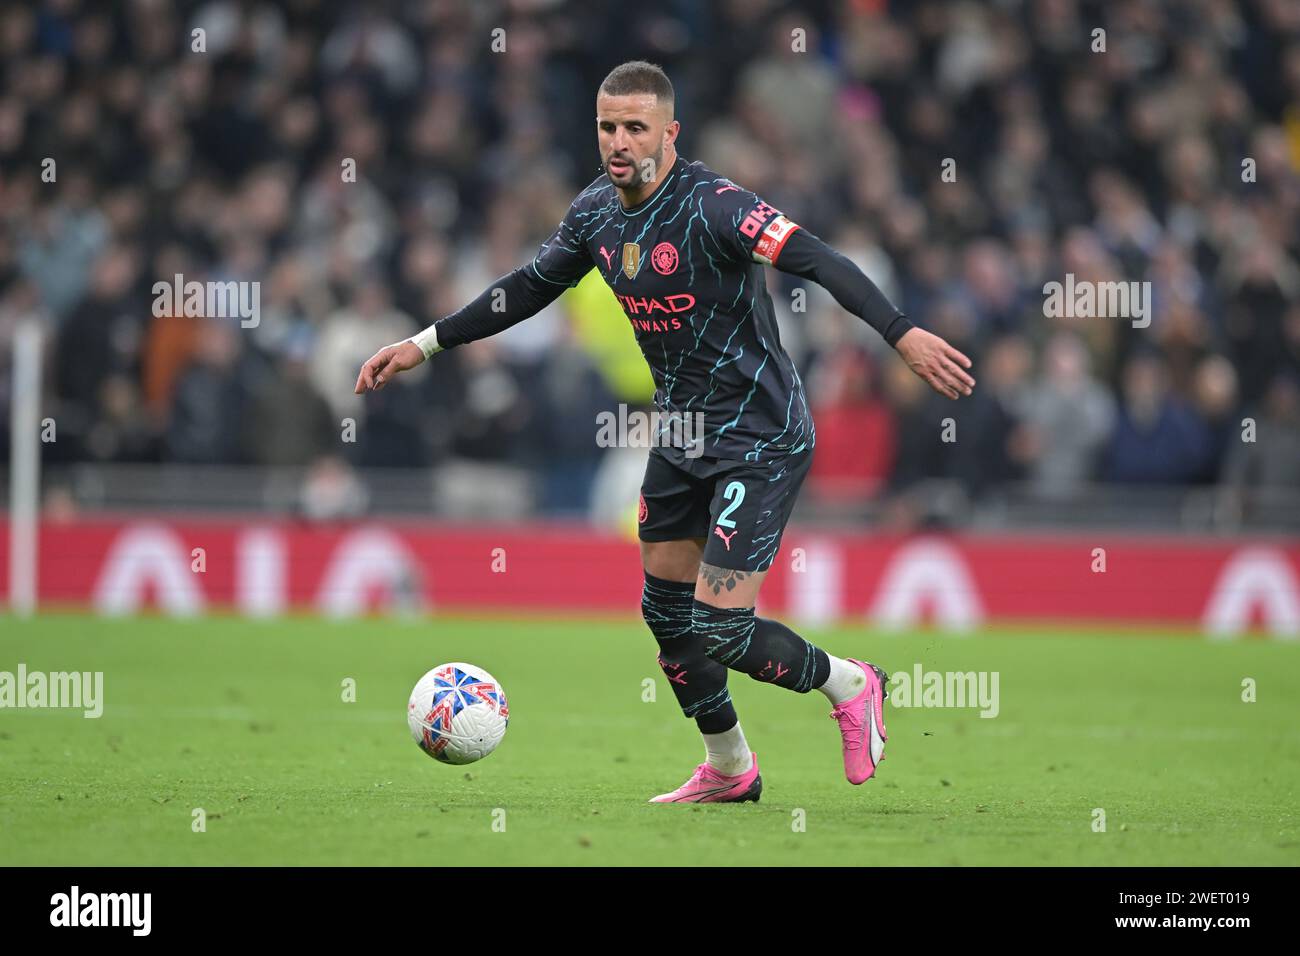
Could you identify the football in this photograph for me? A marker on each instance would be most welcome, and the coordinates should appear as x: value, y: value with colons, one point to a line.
x: 458, y: 713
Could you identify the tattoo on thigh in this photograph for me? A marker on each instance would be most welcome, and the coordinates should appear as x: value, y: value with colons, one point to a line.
x: 718, y: 578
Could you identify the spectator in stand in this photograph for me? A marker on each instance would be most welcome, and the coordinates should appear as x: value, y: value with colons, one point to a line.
x: 1262, y: 284
x: 125, y: 432
x: 855, y: 428
x: 289, y: 423
x: 1272, y: 458
x: 492, y: 410
x: 99, y: 339
x: 567, y: 394
x: 210, y: 408
x: 919, y: 451
x: 1158, y: 438
x: 1214, y: 394
x: 1069, y: 414
x: 992, y: 441
x: 58, y: 246
x: 349, y: 331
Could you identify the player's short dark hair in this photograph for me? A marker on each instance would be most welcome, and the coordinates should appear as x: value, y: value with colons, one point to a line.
x: 638, y: 76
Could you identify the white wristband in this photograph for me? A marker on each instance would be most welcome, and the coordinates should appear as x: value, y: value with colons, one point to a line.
x: 427, y: 341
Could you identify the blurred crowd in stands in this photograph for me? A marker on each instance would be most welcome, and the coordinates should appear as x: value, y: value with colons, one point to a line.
x: 1164, y: 149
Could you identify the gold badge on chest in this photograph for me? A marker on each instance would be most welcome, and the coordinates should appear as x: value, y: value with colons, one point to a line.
x: 631, y: 259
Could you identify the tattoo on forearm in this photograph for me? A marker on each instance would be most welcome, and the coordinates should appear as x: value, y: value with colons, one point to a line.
x: 718, y: 578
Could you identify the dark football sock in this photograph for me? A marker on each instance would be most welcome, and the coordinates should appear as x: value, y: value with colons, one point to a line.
x: 700, y: 684
x: 765, y: 650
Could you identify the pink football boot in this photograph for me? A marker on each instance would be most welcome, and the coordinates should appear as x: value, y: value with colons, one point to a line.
x: 708, y: 786
x: 862, y: 725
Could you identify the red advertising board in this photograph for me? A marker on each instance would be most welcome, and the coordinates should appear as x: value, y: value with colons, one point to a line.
x: 958, y: 582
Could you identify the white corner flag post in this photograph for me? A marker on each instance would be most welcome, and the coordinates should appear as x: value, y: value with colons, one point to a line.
x: 25, y: 466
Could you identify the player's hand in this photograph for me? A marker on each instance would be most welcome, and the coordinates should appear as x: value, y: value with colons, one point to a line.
x: 937, y: 362
x: 386, y: 363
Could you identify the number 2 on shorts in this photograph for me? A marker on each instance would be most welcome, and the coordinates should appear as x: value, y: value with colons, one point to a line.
x: 735, y: 493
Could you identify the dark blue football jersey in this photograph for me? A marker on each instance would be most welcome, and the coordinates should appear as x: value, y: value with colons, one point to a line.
x: 686, y: 265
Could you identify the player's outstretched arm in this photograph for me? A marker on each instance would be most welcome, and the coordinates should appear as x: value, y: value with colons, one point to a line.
x: 510, y: 300
x: 560, y: 263
x: 926, y: 354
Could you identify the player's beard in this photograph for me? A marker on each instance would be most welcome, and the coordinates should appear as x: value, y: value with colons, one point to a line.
x: 635, y: 170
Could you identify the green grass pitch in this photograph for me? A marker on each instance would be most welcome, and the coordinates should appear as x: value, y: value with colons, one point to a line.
x: 247, y: 721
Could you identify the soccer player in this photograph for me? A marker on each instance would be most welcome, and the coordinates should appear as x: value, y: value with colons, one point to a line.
x: 683, y: 250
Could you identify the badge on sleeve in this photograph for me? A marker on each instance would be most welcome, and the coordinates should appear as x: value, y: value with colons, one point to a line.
x: 773, y: 240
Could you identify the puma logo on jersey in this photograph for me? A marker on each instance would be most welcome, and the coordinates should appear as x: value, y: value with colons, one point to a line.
x: 609, y: 257
x: 726, y: 539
